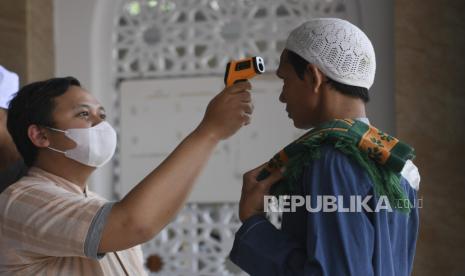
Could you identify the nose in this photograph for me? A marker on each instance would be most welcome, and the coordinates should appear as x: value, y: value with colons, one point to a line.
x: 96, y: 117
x: 97, y: 121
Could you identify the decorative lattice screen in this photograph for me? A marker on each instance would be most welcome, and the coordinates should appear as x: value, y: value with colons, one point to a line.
x: 156, y: 38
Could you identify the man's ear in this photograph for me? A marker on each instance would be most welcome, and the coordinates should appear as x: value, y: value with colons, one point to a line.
x: 316, y: 77
x: 38, y: 136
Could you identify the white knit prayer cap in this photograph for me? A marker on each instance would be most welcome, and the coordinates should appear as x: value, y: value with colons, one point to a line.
x: 9, y: 85
x: 338, y: 48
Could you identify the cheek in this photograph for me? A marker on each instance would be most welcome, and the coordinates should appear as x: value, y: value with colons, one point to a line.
x: 80, y: 123
x: 287, y: 92
x: 312, y: 103
x: 293, y: 94
x: 61, y: 141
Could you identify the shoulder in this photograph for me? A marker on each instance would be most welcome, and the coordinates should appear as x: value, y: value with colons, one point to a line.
x: 28, y: 185
x: 26, y: 195
x: 338, y: 170
x: 31, y: 193
x: 329, y: 154
x: 333, y: 160
x: 337, y: 165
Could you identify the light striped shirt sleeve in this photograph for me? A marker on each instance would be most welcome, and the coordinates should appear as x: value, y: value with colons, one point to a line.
x: 49, y: 220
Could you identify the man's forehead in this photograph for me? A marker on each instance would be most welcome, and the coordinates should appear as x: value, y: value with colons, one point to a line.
x: 88, y: 105
x: 283, y: 56
x: 282, y: 59
x: 77, y: 97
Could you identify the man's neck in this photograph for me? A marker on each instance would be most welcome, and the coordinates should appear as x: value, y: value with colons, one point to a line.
x: 340, y: 107
x: 70, y: 170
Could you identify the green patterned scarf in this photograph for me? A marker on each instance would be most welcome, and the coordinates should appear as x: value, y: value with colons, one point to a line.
x: 381, y: 155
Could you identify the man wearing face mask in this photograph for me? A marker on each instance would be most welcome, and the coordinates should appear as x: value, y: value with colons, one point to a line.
x: 52, y: 224
x: 12, y: 166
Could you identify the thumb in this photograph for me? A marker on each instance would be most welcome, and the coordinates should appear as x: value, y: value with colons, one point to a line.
x: 253, y: 174
x: 270, y: 180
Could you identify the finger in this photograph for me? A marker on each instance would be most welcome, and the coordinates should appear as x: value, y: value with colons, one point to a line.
x: 247, y: 107
x: 245, y: 96
x: 239, y: 87
x: 246, y: 119
x: 270, y: 180
x: 261, y: 167
x: 255, y: 172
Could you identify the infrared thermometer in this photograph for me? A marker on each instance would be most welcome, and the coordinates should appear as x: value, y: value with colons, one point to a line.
x: 242, y: 70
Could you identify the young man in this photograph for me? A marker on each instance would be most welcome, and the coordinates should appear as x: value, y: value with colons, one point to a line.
x: 12, y: 166
x: 327, y: 67
x: 51, y: 224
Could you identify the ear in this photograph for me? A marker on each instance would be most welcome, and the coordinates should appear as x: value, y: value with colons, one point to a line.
x: 38, y: 136
x: 316, y: 77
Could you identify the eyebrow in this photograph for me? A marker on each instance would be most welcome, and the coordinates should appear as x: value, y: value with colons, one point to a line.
x: 101, y: 108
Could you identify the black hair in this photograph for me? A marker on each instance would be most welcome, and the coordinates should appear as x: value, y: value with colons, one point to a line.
x: 300, y: 65
x: 34, y: 104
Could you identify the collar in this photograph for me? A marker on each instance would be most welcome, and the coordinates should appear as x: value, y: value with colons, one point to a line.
x: 363, y: 119
x: 57, y: 180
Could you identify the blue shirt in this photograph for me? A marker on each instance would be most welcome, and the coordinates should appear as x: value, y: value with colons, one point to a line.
x: 331, y: 243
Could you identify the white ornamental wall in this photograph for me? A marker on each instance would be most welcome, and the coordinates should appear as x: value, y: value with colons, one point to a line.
x: 88, y: 46
x: 165, y: 41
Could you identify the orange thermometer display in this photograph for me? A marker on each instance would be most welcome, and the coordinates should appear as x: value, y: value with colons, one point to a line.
x: 242, y: 70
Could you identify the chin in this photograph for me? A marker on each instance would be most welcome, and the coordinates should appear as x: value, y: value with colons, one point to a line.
x: 297, y: 124
x: 301, y: 125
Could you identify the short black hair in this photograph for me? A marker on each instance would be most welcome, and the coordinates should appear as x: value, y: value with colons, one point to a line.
x: 300, y: 65
x: 34, y: 104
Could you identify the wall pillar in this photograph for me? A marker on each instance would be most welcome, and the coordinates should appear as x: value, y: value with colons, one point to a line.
x: 430, y: 113
x: 26, y: 35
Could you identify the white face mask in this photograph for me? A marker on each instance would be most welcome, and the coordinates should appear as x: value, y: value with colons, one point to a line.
x: 95, y: 145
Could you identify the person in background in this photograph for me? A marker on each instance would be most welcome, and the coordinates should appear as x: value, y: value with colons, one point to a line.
x: 12, y: 166
x: 51, y: 224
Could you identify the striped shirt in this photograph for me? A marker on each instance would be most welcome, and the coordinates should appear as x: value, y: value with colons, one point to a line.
x: 48, y: 226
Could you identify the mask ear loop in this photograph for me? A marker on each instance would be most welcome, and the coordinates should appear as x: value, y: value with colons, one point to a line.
x: 59, y: 130
x: 56, y: 150
x: 56, y: 129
